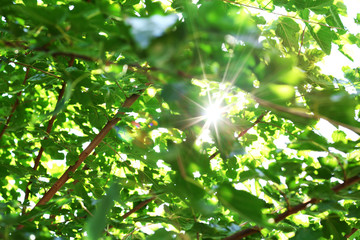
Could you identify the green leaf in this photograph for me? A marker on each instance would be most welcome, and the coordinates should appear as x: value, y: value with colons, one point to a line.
x: 288, y: 30
x: 357, y: 19
x: 354, y: 212
x: 334, y: 227
x: 321, y: 191
x: 245, y: 204
x: 314, y: 5
x: 339, y: 136
x: 96, y: 224
x: 334, y: 99
x: 323, y: 36
x: 333, y: 18
x: 162, y: 234
x: 308, y: 234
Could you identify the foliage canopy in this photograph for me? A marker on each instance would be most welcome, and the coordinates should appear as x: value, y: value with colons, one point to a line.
x: 176, y: 120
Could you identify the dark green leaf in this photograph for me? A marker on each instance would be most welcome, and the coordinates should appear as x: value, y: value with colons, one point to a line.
x: 247, y: 205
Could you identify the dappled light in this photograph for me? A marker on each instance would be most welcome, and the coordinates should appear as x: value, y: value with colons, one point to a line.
x: 137, y: 119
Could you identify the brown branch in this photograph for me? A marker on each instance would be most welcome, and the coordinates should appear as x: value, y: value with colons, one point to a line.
x: 244, y: 233
x: 353, y: 230
x: 138, y: 207
x: 94, y: 143
x: 48, y: 130
x: 16, y: 44
x: 16, y: 104
x: 302, y: 40
x: 243, y: 132
x: 38, y: 157
x: 214, y: 155
x: 197, y: 233
x: 293, y: 210
x: 345, y: 184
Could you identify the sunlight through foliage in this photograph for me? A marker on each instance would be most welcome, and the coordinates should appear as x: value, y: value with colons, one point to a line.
x: 138, y: 119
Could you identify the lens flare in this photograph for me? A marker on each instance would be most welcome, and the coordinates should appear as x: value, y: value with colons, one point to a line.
x: 213, y: 113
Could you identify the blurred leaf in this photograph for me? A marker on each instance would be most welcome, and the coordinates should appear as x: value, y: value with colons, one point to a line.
x: 334, y: 228
x: 308, y: 234
x: 162, y: 234
x: 145, y: 29
x: 96, y: 224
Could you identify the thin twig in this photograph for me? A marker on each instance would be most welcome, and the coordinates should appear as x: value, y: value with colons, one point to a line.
x: 243, y: 132
x: 94, y: 143
x: 48, y: 130
x: 37, y: 69
x: 85, y: 208
x: 302, y: 40
x: 138, y: 207
x: 197, y: 233
x: 39, y: 155
x: 16, y: 104
x: 340, y: 164
x: 130, y: 233
x: 285, y: 197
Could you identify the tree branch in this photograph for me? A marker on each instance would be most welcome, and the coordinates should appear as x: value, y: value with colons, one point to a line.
x: 138, y: 207
x: 302, y: 40
x: 243, y: 233
x: 243, y: 132
x: 353, y: 230
x: 16, y: 104
x: 94, y: 143
x: 293, y: 210
x: 38, y: 157
x: 48, y: 130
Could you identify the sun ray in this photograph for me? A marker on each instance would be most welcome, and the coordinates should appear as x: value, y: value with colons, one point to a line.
x: 213, y: 113
x: 193, y: 28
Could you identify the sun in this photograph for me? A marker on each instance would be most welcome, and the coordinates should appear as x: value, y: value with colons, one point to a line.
x: 212, y: 113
